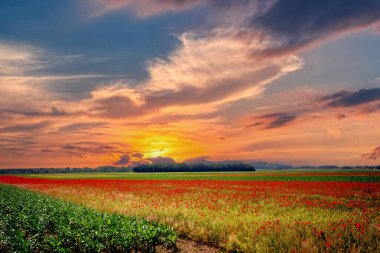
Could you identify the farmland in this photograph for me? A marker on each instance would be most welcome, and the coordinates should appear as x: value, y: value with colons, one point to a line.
x: 295, y: 211
x: 266, y: 175
x: 31, y: 222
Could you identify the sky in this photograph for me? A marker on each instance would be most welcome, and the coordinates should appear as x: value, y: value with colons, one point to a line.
x: 85, y: 83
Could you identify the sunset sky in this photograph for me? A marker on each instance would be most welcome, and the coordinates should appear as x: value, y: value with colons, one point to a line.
x: 103, y: 82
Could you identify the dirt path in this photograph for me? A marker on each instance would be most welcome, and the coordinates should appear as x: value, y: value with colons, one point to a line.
x: 187, y: 246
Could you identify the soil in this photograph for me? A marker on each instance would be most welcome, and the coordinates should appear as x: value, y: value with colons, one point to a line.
x: 187, y: 246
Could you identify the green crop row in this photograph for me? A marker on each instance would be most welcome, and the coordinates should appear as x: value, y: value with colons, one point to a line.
x: 30, y: 222
x: 256, y: 176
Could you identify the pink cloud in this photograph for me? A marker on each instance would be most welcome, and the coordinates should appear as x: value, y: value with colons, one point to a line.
x: 145, y: 8
x: 196, y: 77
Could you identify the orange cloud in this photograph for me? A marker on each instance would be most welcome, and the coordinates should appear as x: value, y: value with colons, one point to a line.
x: 372, y: 155
x: 197, y: 77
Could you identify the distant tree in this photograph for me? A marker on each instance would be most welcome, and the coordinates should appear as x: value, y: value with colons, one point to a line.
x: 183, y: 167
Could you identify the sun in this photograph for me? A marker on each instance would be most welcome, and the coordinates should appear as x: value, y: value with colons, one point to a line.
x: 154, y: 144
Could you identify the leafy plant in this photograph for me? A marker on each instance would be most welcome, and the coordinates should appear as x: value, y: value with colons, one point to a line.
x: 30, y: 222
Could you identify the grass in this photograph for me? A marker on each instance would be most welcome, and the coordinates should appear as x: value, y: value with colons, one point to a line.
x: 268, y: 175
x: 30, y: 222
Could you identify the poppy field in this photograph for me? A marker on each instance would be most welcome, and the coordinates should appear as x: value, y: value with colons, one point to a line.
x: 294, y: 212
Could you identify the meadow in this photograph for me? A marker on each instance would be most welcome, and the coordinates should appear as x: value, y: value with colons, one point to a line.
x: 284, y: 211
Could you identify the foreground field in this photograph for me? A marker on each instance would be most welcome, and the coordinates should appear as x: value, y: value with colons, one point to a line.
x: 33, y: 223
x: 249, y: 216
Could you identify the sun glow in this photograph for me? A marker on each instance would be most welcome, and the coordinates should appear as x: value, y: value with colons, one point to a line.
x: 155, y: 153
x: 154, y: 144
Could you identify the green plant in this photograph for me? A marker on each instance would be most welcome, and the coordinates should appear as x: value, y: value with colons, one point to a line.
x: 30, y: 222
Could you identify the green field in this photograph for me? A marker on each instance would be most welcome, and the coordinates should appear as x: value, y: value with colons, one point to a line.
x: 267, y: 175
x: 30, y: 222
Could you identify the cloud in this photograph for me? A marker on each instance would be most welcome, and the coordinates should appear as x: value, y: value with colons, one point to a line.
x: 349, y: 99
x: 24, y: 87
x: 372, y: 155
x: 272, y: 120
x: 144, y: 8
x: 317, y: 107
x: 16, y: 146
x: 298, y: 23
x: 82, y: 126
x: 72, y: 147
x: 53, y: 112
x: 334, y: 131
x: 16, y: 59
x: 124, y: 160
x: 84, y: 149
x: 133, y: 158
x: 199, y: 159
x: 138, y: 155
x: 13, y: 151
x: 197, y: 77
x: 196, y: 74
x: 292, y: 24
x: 161, y: 160
x: 46, y: 150
x: 18, y: 98
x: 25, y: 127
x: 149, y: 8
x: 18, y: 141
x: 278, y: 119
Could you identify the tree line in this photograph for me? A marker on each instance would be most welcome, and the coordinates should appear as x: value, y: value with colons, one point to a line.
x: 184, y: 167
x: 65, y: 170
x: 176, y: 167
